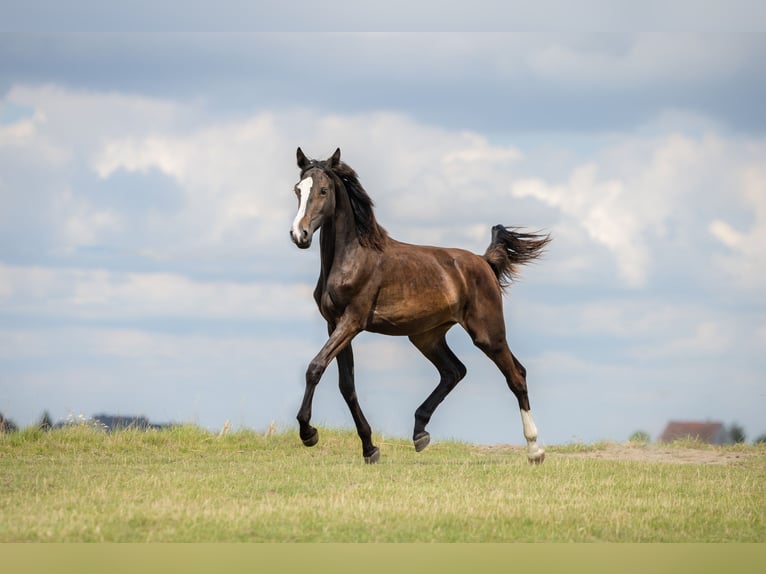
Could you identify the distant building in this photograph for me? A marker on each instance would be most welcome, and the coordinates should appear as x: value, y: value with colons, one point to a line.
x: 115, y: 422
x: 7, y: 425
x: 707, y: 432
x: 111, y: 423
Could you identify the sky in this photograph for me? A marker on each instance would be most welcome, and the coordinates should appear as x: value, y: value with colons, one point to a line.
x: 146, y: 193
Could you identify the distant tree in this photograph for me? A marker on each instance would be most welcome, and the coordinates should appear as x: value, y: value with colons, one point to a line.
x: 761, y: 439
x: 737, y: 433
x: 7, y: 425
x: 640, y: 436
x: 45, y: 423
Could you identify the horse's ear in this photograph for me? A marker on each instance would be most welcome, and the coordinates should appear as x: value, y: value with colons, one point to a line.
x: 303, y: 161
x: 335, y: 159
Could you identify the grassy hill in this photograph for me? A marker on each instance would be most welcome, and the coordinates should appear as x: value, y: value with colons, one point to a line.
x: 184, y: 484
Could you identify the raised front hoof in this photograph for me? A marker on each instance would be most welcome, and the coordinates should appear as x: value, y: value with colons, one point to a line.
x: 374, y: 456
x: 422, y: 441
x: 311, y: 439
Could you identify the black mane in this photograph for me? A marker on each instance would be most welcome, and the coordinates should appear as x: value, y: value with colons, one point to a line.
x: 368, y: 230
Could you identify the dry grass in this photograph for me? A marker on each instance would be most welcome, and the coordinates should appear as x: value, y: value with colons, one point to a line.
x: 184, y: 484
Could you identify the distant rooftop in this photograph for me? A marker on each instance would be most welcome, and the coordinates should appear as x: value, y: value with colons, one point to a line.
x: 707, y: 432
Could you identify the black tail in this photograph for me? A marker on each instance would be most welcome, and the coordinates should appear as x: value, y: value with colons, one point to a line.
x: 509, y: 249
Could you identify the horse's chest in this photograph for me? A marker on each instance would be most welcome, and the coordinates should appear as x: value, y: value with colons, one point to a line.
x: 328, y: 306
x: 336, y: 297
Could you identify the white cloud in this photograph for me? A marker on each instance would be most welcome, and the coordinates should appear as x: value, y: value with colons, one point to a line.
x: 648, y: 199
x: 600, y: 208
x: 103, y: 294
x: 710, y: 338
x: 230, y: 175
x: 745, y: 263
x: 43, y: 157
x: 30, y: 134
x: 21, y: 131
x: 726, y: 234
x: 83, y: 118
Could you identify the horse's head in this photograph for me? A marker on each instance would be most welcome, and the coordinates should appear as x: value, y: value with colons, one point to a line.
x: 316, y: 197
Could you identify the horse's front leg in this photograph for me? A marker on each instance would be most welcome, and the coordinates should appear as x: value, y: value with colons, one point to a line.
x: 340, y: 337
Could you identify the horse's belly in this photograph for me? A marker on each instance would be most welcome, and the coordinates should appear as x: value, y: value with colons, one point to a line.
x: 385, y: 326
x: 416, y: 314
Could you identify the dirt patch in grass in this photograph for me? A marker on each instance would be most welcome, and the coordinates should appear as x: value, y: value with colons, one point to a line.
x: 641, y: 453
x: 676, y: 455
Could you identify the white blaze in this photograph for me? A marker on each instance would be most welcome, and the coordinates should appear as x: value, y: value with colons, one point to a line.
x: 304, y: 189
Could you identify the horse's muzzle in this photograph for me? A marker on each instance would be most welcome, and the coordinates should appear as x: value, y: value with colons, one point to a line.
x: 303, y: 241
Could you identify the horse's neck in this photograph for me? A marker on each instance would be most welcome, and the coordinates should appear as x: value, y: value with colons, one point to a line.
x: 338, y: 237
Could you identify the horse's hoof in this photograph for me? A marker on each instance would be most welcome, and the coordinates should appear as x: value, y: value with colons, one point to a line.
x: 374, y: 457
x: 312, y: 439
x: 535, y: 453
x: 422, y: 441
x: 537, y: 458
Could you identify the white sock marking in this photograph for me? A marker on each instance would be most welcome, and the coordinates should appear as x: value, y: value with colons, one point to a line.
x: 534, y: 451
x: 530, y: 429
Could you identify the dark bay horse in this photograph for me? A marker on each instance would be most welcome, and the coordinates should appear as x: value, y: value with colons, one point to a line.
x: 371, y: 282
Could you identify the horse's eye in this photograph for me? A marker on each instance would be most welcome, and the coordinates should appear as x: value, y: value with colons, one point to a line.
x: 323, y: 191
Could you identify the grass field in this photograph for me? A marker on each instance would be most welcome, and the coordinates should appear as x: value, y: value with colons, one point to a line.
x: 185, y: 484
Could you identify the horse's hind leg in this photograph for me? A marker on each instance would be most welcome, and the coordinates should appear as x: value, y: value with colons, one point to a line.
x: 489, y: 336
x: 345, y: 360
x: 433, y: 345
